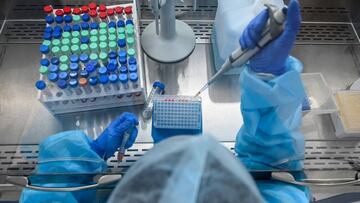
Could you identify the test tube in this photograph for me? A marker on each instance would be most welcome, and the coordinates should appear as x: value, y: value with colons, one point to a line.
x: 113, y: 78
x: 132, y: 68
x: 68, y: 19
x: 77, y: 11
x: 74, y: 58
x: 67, y: 28
x: 62, y: 84
x: 93, y: 14
x: 112, y: 24
x: 111, y: 67
x: 123, y: 69
x: 120, y: 23
x: 132, y: 61
x: 84, y: 58
x: 83, y: 82
x: 63, y: 76
x: 48, y: 10
x: 103, y: 17
x: 122, y: 44
x: 55, y: 61
x: 134, y: 80
x: 53, y: 68
x: 93, y: 81
x: 102, y: 71
x: 50, y: 21
x: 119, y: 12
x: 41, y: 85
x: 84, y: 74
x: 103, y: 56
x: 74, y: 85
x: 73, y: 74
x: 53, y: 77
x: 74, y: 67
x: 92, y: 6
x: 85, y: 17
x: 44, y: 49
x: 67, y: 10
x: 124, y: 80
x: 122, y: 61
x: 128, y: 11
x: 44, y: 62
x: 84, y: 9
x: 94, y: 26
x: 157, y: 88
x: 91, y: 69
x: 104, y: 81
x: 112, y: 55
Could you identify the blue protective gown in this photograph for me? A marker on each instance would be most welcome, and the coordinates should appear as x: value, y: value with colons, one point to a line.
x: 270, y: 138
x: 65, y: 153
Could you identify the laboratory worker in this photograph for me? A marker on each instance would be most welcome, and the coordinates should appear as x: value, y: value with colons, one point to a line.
x: 183, y: 168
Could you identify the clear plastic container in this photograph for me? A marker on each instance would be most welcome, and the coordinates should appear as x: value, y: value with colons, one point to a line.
x: 319, y: 95
x: 347, y: 119
x: 232, y: 17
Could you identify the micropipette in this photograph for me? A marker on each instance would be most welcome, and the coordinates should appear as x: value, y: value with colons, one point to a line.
x: 239, y: 57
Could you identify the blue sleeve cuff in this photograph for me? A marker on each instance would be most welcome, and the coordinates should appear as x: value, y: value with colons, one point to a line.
x: 270, y: 137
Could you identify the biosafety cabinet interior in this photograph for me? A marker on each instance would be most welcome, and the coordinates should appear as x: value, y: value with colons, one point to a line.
x: 328, y: 43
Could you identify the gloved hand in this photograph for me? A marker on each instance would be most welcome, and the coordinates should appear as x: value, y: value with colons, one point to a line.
x: 110, y: 140
x: 272, y: 58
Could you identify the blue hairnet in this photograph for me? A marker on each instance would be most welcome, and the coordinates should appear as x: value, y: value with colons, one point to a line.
x: 65, y: 153
x: 187, y: 169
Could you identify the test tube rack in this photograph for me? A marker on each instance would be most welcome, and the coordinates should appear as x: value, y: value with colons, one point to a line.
x: 59, y: 102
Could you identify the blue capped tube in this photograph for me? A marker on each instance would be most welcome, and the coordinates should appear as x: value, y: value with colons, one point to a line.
x: 44, y: 62
x: 73, y: 74
x: 91, y: 69
x: 104, y: 82
x: 124, y: 81
x: 49, y: 20
x: 123, y: 70
x: 63, y: 76
x: 93, y: 82
x: 59, y: 20
x: 41, y: 85
x: 113, y: 78
x: 74, y: 67
x: 48, y: 29
x: 132, y: 61
x: 157, y: 89
x: 132, y: 68
x: 74, y: 58
x: 112, y: 24
x: 55, y: 61
x: 85, y: 17
x: 112, y: 67
x: 44, y: 49
x: 67, y: 28
x: 68, y: 19
x: 102, y: 71
x: 62, y: 84
x: 53, y: 68
x: 112, y: 55
x: 74, y: 85
x: 84, y: 74
x: 94, y: 26
x: 52, y: 77
x: 122, y: 61
x: 134, y: 80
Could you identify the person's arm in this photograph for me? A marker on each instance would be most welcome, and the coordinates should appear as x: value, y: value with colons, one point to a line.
x: 270, y: 138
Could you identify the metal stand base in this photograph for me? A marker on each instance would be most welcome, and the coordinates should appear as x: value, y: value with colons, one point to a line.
x: 171, y: 50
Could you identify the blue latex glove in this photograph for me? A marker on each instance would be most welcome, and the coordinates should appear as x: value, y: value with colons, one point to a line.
x: 272, y: 58
x: 110, y: 140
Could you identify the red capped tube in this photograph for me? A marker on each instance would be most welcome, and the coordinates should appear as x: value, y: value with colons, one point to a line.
x: 48, y: 9
x: 103, y: 15
x: 59, y: 12
x: 92, y: 6
x: 67, y: 10
x: 102, y: 8
x: 84, y: 9
x: 119, y: 10
x: 128, y: 10
x: 93, y: 13
x: 110, y: 12
x: 77, y: 11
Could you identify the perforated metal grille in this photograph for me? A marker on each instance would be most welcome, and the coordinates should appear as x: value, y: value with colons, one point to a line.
x: 327, y: 33
x: 22, y: 32
x: 320, y: 155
